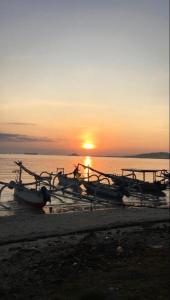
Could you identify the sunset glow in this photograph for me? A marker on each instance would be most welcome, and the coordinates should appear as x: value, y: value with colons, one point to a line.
x: 88, y: 146
x: 84, y: 77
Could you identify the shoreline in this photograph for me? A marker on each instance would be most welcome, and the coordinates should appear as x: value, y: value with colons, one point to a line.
x: 19, y: 228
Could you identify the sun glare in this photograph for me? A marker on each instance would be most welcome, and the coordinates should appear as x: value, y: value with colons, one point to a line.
x: 88, y: 146
x: 87, y: 161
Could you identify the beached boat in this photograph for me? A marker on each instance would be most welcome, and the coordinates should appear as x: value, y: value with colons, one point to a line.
x: 103, y: 190
x: 33, y: 197
x: 102, y: 186
x: 95, y: 188
x: 69, y: 182
x: 38, y: 196
x: 130, y: 180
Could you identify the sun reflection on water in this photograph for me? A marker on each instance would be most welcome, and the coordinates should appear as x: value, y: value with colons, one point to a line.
x: 87, y: 162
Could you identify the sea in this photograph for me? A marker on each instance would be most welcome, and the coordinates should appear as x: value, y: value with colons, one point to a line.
x: 53, y: 163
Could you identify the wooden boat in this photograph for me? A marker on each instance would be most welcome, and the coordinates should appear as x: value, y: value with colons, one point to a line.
x: 33, y: 197
x: 103, y: 190
x: 102, y: 186
x: 130, y: 180
x: 69, y: 182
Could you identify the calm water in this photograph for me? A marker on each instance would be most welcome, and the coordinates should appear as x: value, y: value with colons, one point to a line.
x: 39, y: 163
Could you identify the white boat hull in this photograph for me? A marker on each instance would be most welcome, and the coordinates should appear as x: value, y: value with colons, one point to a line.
x: 29, y: 196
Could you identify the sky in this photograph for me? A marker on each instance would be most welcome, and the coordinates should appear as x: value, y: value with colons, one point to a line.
x: 78, y: 74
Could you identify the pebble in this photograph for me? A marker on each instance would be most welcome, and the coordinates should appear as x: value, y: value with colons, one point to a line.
x: 119, y: 250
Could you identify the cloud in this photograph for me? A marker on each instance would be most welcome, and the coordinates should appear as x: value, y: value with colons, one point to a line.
x: 14, y: 137
x: 21, y: 124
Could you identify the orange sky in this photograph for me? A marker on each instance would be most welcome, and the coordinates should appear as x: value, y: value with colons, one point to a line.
x: 90, y: 72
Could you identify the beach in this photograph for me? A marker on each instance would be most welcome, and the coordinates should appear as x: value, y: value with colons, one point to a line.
x: 119, y: 253
x: 84, y: 150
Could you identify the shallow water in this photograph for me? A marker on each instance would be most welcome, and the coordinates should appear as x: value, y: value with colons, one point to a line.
x: 39, y: 163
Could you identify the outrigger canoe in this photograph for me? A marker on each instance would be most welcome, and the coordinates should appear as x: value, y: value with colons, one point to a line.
x: 130, y: 180
x: 69, y: 182
x: 37, y: 197
x: 104, y: 190
x: 33, y: 197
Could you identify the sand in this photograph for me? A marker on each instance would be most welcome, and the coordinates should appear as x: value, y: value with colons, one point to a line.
x: 29, y: 227
x: 120, y: 253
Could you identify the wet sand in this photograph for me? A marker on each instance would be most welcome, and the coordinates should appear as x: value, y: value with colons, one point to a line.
x: 109, y: 254
x: 29, y: 227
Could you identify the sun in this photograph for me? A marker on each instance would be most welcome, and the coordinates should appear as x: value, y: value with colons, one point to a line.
x: 88, y: 146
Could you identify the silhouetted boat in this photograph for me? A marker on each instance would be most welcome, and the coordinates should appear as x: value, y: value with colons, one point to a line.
x: 130, y: 180
x: 69, y: 182
x: 33, y: 197
x: 105, y: 191
x: 101, y: 186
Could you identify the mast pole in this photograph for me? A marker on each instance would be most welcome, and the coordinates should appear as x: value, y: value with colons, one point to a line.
x: 20, y: 174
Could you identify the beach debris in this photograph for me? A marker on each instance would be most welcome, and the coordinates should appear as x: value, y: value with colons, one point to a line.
x: 119, y: 250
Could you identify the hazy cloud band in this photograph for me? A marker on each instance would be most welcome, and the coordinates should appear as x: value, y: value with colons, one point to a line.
x: 14, y: 137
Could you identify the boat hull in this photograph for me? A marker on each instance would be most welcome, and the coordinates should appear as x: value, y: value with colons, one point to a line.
x: 68, y: 182
x: 29, y: 196
x: 155, y: 188
x: 102, y: 190
x: 139, y: 185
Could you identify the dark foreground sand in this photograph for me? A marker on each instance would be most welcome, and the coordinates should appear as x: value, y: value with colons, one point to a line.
x: 112, y: 254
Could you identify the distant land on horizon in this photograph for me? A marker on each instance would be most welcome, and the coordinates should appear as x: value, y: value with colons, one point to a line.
x: 159, y: 155
x: 156, y: 155
x: 31, y: 153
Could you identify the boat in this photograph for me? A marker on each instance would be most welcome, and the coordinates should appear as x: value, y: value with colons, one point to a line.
x: 69, y: 182
x: 102, y: 186
x: 104, y: 190
x: 38, y: 196
x: 130, y: 180
x: 33, y: 197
